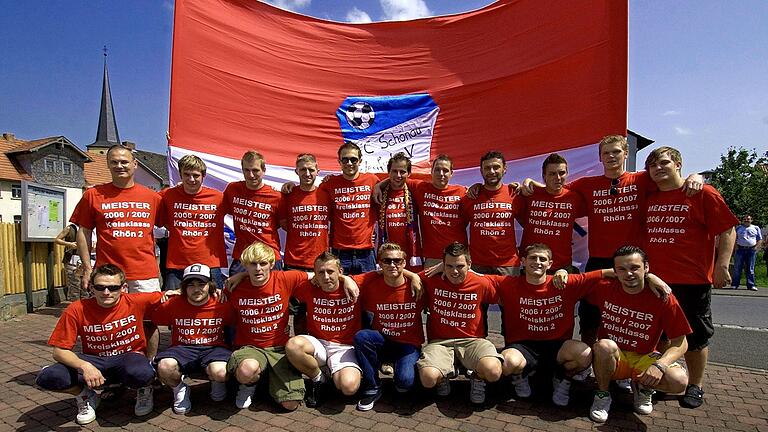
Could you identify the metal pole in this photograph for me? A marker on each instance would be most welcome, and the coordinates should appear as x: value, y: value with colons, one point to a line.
x: 28, y: 276
x: 51, y: 300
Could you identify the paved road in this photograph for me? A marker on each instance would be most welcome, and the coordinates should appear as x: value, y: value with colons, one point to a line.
x: 741, y: 333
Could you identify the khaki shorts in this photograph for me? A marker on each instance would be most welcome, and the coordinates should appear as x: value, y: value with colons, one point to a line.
x: 143, y: 285
x: 331, y: 356
x: 632, y: 364
x: 442, y: 354
x: 285, y: 382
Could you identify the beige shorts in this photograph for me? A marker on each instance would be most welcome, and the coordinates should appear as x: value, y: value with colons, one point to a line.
x: 331, y: 356
x: 143, y: 285
x: 443, y: 353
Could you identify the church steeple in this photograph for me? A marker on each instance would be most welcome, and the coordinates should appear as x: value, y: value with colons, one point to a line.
x: 107, y: 135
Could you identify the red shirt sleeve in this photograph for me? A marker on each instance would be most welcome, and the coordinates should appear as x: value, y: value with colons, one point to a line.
x: 64, y: 335
x: 717, y: 216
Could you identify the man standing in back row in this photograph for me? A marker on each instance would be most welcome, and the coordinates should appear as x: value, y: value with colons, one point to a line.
x: 682, y: 234
x: 749, y: 238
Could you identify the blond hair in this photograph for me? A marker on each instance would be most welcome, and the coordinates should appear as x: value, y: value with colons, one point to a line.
x: 614, y: 139
x: 253, y: 156
x: 257, y: 252
x: 387, y: 246
x: 192, y: 162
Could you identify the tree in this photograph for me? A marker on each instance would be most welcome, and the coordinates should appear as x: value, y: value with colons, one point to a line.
x: 742, y: 179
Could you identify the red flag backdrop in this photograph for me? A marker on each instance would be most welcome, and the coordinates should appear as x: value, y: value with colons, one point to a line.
x: 526, y: 77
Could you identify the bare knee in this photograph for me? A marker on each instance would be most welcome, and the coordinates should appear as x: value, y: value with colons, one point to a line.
x: 168, y: 369
x: 514, y: 362
x: 675, y: 380
x: 605, y: 348
x: 217, y: 371
x: 430, y: 376
x: 489, y: 369
x: 248, y: 371
x: 348, y: 382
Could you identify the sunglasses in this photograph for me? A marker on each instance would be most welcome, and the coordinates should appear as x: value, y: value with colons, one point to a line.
x: 352, y: 160
x: 111, y: 288
x: 392, y: 261
x: 614, y: 182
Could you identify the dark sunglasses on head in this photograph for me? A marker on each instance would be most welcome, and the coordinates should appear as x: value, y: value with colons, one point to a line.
x: 614, y: 182
x: 112, y: 288
x: 392, y: 261
x: 352, y: 160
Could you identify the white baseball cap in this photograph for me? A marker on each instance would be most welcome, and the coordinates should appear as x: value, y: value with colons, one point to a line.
x: 197, y: 271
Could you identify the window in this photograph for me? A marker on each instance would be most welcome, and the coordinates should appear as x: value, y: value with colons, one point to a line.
x: 50, y: 165
x: 16, y: 191
x: 17, y: 219
x: 66, y: 168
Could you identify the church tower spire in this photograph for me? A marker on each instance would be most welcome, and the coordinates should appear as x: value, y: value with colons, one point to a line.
x: 106, y: 135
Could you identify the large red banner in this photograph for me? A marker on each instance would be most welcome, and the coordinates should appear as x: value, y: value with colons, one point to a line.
x: 525, y: 77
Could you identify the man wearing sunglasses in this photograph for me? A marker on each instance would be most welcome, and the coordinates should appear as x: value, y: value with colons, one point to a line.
x: 113, y: 342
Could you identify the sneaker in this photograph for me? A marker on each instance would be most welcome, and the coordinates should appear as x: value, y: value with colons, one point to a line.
x: 476, y: 390
x: 643, y: 399
x: 583, y: 375
x: 313, y: 396
x: 600, y: 406
x: 244, y: 396
x: 752, y: 288
x: 624, y: 385
x: 218, y: 391
x: 522, y: 388
x: 443, y: 387
x: 561, y: 391
x: 693, y: 398
x: 367, y: 402
x: 387, y: 369
x: 144, y: 401
x: 181, y: 401
x: 87, y: 402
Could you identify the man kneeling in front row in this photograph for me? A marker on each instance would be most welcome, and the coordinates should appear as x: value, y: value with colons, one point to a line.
x: 632, y: 321
x: 110, y: 328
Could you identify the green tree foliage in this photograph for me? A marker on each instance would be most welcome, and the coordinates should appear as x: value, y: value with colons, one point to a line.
x: 742, y: 179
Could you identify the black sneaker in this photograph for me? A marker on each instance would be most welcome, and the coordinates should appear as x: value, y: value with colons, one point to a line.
x: 314, y: 394
x: 693, y: 398
x: 367, y: 402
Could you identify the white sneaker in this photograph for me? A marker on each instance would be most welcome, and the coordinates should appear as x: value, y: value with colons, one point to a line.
x: 583, y: 375
x: 600, y: 406
x: 244, y: 396
x: 144, y: 401
x: 87, y: 402
x: 476, y: 390
x: 387, y: 369
x: 181, y: 401
x: 561, y: 391
x: 218, y: 391
x: 643, y: 398
x: 443, y: 387
x: 624, y: 385
x: 522, y: 387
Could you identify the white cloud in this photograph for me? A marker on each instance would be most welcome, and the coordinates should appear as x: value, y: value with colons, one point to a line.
x: 291, y: 5
x: 671, y: 113
x: 402, y: 10
x: 683, y: 131
x: 358, y: 16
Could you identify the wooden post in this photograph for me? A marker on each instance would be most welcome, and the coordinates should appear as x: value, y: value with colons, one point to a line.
x: 51, y: 300
x: 28, y: 276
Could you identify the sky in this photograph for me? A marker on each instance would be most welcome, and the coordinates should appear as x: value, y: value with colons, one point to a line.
x: 697, y: 68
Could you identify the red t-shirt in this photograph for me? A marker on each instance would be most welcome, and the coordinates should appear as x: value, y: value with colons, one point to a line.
x: 255, y: 214
x: 548, y: 219
x: 330, y: 315
x: 440, y: 217
x: 195, y: 325
x: 456, y: 310
x: 308, y: 218
x: 123, y: 219
x: 635, y: 321
x: 491, y: 219
x: 396, y: 313
x: 681, y: 232
x: 541, y: 312
x: 263, y: 311
x: 352, y: 217
x: 195, y: 227
x: 396, y: 223
x: 105, y: 332
x: 614, y: 220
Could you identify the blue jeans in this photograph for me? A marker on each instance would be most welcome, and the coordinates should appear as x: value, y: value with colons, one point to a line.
x: 744, y: 259
x: 356, y: 261
x: 370, y: 347
x: 173, y: 278
x: 131, y: 369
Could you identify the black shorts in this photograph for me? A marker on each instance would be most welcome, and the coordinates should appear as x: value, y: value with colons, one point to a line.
x: 695, y: 300
x: 539, y: 355
x: 194, y: 358
x: 589, y: 314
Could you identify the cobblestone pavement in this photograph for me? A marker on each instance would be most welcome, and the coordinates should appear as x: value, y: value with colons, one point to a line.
x: 735, y: 400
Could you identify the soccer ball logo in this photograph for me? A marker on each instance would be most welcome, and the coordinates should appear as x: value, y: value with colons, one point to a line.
x: 360, y: 115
